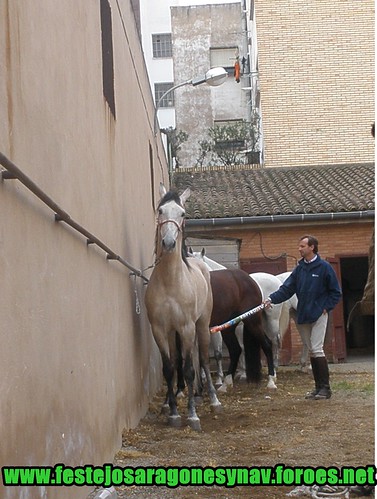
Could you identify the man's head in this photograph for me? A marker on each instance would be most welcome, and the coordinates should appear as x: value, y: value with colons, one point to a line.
x: 308, y: 247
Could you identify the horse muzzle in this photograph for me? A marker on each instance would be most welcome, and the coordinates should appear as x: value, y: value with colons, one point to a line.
x: 169, y: 243
x: 169, y: 233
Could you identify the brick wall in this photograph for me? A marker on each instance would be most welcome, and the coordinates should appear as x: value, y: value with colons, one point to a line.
x: 334, y: 240
x: 316, y: 68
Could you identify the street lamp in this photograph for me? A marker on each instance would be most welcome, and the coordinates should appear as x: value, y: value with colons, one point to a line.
x: 213, y: 77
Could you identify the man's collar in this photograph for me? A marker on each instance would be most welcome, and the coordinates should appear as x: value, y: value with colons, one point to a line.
x: 312, y: 260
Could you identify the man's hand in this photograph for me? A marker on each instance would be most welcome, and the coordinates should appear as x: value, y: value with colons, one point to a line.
x: 267, y: 304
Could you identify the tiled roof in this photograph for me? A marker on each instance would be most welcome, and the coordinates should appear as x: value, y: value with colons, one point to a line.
x: 277, y: 191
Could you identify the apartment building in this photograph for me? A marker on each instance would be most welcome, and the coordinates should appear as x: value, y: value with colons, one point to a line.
x: 181, y: 41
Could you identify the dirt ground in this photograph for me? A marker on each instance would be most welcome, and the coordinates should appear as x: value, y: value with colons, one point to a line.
x: 258, y: 427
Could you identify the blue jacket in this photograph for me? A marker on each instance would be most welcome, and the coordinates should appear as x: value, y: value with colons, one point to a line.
x: 316, y: 287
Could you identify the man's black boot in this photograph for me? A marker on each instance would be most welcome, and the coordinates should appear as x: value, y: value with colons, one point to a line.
x: 323, y: 377
x: 313, y: 393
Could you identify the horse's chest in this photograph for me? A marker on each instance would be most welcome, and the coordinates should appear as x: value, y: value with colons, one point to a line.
x: 173, y: 305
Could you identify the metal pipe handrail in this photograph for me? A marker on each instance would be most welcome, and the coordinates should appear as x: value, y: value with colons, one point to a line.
x: 13, y: 172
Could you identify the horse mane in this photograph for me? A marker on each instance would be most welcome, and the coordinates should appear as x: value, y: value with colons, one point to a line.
x: 184, y: 252
x: 170, y: 196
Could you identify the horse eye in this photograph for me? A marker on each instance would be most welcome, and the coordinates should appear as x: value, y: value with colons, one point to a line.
x: 183, y: 214
x: 159, y: 211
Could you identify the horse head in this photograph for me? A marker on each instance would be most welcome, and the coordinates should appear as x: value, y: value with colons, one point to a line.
x: 211, y: 264
x: 170, y: 217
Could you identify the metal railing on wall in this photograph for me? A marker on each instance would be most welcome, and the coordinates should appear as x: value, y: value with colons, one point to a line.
x: 13, y: 172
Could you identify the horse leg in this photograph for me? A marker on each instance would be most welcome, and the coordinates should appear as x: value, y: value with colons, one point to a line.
x: 189, y: 373
x: 180, y: 377
x: 234, y: 349
x: 266, y: 345
x: 204, y: 339
x: 241, y: 367
x: 217, y: 345
x: 252, y: 337
x: 174, y: 418
x: 271, y: 321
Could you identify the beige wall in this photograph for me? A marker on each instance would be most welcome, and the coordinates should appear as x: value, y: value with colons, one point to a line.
x: 77, y: 363
x: 316, y: 64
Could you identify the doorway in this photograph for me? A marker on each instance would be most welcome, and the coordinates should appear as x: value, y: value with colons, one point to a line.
x: 360, y: 336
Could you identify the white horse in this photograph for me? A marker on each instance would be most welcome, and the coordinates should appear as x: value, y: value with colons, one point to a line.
x: 216, y: 341
x: 269, y: 283
x: 179, y: 302
x: 289, y: 311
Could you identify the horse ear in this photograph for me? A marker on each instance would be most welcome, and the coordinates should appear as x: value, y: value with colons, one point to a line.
x: 184, y: 196
x: 203, y: 251
x: 162, y: 190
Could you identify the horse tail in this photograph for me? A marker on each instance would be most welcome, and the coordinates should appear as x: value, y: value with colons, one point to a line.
x: 284, y: 319
x: 252, y: 348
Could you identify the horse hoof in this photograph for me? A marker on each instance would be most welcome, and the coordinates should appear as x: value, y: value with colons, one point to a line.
x: 165, y: 409
x: 194, y: 424
x: 272, y: 386
x: 217, y: 408
x: 175, y: 421
x: 271, y: 383
x: 218, y: 382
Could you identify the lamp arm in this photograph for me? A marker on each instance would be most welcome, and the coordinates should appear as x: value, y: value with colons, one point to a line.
x: 188, y: 82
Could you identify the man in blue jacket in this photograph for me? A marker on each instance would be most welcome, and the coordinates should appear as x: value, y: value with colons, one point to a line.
x: 317, y: 289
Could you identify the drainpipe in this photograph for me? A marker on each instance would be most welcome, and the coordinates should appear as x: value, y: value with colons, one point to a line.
x: 246, y: 54
x: 267, y: 219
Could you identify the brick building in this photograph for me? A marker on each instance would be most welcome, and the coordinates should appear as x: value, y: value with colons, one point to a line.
x: 316, y: 73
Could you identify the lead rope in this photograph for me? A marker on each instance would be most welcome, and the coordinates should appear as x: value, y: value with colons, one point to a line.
x: 137, y: 301
x: 238, y: 319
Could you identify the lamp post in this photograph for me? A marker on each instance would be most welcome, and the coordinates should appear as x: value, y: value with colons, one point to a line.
x: 213, y: 77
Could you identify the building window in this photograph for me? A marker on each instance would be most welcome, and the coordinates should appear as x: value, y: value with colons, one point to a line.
x: 162, y: 46
x: 159, y: 90
x: 224, y: 57
x: 107, y: 55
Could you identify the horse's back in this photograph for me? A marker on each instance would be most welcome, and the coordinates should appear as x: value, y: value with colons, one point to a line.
x: 284, y: 276
x: 233, y: 293
x: 268, y: 283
